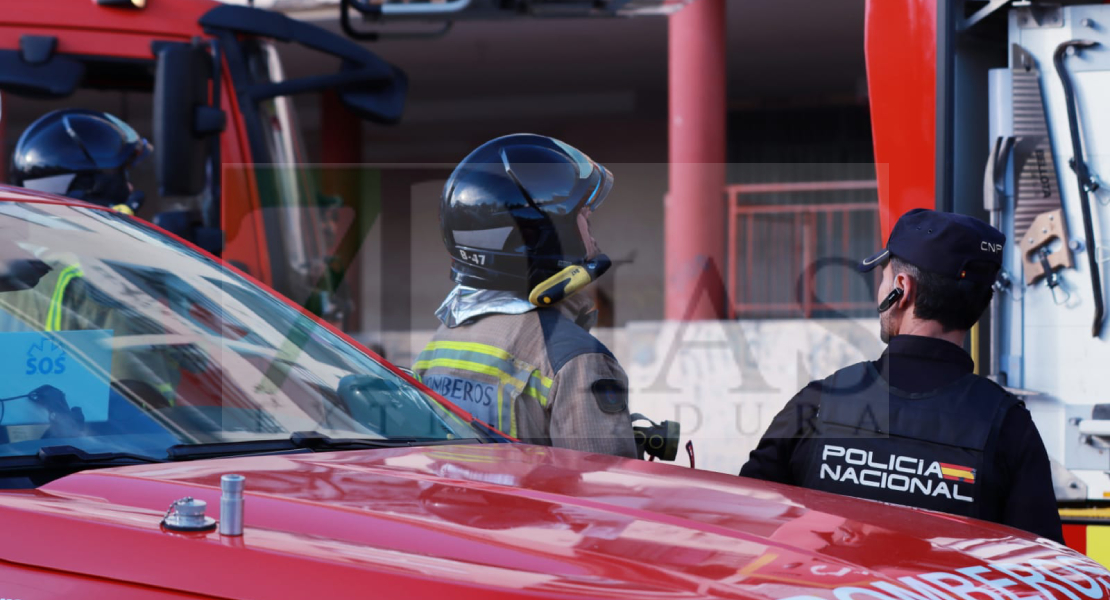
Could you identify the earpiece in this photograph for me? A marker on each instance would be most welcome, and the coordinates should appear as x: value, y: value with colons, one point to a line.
x: 894, y: 296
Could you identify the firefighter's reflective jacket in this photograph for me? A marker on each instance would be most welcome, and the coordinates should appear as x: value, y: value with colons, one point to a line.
x: 537, y: 375
x: 926, y: 449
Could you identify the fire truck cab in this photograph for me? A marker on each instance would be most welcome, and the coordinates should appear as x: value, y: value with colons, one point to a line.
x: 204, y: 82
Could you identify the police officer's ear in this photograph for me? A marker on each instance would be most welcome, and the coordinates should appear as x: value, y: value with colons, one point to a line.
x: 906, y: 283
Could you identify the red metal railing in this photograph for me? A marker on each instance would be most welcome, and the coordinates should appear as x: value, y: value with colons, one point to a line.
x: 778, y: 252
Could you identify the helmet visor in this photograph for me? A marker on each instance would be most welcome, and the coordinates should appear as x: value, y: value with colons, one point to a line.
x: 601, y: 190
x: 588, y: 169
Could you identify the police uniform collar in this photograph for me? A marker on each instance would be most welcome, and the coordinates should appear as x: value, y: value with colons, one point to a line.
x: 927, y: 348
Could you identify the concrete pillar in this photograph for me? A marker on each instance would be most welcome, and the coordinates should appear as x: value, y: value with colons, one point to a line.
x: 695, y: 211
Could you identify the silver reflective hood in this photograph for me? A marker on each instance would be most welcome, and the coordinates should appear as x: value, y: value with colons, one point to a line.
x: 465, y: 304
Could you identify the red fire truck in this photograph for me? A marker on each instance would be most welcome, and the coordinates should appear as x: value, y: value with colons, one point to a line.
x: 996, y: 109
x: 206, y: 81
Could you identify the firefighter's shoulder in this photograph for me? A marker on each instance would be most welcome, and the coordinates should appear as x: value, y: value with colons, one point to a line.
x: 565, y: 340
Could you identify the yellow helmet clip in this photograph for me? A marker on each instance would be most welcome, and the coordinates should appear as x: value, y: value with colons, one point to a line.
x: 568, y: 282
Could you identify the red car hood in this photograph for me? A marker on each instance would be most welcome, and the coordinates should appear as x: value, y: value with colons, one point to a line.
x: 500, y: 521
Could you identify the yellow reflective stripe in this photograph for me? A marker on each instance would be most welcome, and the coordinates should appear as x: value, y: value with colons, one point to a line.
x: 166, y: 389
x: 500, y: 405
x: 483, y: 349
x: 470, y: 347
x: 537, y: 386
x: 467, y: 365
x: 502, y: 376
x: 54, y: 314
x: 533, y: 392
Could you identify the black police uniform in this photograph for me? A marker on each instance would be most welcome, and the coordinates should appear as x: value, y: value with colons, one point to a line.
x: 1002, y: 450
x: 916, y: 427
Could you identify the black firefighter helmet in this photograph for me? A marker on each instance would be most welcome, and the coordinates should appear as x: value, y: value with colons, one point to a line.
x: 515, y: 212
x: 83, y: 154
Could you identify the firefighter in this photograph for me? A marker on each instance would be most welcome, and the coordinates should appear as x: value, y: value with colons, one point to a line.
x: 917, y: 426
x: 83, y: 154
x: 86, y: 155
x: 514, y: 347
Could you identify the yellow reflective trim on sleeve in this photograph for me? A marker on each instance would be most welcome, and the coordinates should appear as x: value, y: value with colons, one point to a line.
x: 533, y: 392
x: 54, y: 314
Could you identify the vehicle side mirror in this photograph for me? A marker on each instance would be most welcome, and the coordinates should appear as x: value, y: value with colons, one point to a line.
x: 184, y: 122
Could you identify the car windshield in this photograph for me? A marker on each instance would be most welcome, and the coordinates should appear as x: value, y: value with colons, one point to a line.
x: 117, y: 338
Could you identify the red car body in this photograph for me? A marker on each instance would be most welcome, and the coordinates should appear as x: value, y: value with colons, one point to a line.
x: 504, y: 521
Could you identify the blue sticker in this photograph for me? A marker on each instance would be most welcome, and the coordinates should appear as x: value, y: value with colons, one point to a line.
x: 76, y: 363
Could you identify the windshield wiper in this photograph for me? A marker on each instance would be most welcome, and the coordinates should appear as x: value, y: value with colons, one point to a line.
x: 300, y: 441
x: 71, y: 458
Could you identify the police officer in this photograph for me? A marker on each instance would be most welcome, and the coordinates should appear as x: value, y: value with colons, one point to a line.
x: 917, y: 427
x: 514, y: 347
x: 83, y: 154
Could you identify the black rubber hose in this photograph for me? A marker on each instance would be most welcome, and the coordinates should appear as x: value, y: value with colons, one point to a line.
x: 1082, y: 175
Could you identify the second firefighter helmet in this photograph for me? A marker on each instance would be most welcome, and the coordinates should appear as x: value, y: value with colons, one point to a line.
x: 515, y: 212
x: 83, y: 154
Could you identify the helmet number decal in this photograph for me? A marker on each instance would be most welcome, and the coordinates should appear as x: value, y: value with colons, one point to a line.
x: 472, y: 257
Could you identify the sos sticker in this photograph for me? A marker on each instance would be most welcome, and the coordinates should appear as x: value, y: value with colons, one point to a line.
x: 77, y: 363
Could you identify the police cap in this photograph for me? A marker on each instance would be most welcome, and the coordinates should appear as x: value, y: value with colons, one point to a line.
x: 951, y: 245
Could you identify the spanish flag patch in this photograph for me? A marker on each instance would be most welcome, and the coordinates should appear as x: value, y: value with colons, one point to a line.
x: 957, y: 473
